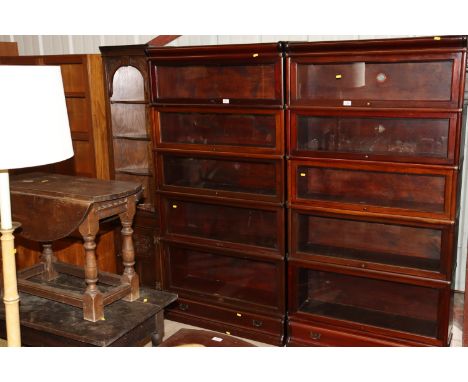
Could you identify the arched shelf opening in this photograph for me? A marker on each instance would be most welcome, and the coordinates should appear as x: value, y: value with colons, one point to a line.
x: 128, y: 85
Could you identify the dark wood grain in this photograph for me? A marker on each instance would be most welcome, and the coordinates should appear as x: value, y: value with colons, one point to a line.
x: 73, y: 203
x: 204, y: 338
x: 79, y: 188
x: 49, y: 323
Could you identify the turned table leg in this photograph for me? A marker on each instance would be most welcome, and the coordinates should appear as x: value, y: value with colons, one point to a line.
x: 93, y: 308
x: 158, y: 335
x: 48, y: 259
x: 128, y: 252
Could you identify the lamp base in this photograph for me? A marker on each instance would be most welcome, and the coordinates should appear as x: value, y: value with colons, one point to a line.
x: 10, y: 289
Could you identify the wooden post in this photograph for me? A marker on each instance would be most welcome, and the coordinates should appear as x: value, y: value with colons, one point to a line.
x: 93, y: 307
x: 48, y: 259
x: 10, y: 286
x: 128, y: 253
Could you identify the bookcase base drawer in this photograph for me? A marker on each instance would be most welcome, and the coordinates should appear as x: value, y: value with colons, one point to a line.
x: 234, y: 322
x: 301, y: 334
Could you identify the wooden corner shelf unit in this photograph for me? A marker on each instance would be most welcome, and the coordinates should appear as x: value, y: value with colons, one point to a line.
x: 130, y: 152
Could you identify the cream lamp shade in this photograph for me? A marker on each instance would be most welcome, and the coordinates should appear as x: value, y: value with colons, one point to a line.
x: 33, y: 117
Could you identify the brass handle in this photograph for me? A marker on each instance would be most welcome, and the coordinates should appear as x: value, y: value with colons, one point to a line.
x: 183, y: 307
x: 257, y: 323
x: 380, y: 128
x: 381, y: 77
x: 315, y: 336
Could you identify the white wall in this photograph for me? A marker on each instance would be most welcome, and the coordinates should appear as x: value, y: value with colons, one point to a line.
x: 60, y: 44
x: 57, y: 44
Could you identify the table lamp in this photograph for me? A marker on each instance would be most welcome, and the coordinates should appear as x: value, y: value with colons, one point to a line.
x: 34, y: 131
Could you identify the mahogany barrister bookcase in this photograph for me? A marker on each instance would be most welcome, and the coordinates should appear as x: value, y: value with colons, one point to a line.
x: 375, y: 149
x: 361, y: 228
x: 218, y: 130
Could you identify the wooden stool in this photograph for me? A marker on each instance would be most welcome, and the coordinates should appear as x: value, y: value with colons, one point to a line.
x: 51, y: 207
x: 45, y: 322
x: 203, y: 338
